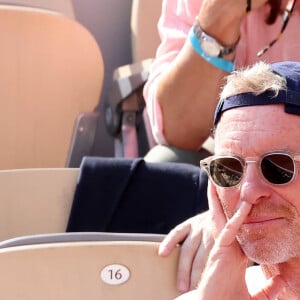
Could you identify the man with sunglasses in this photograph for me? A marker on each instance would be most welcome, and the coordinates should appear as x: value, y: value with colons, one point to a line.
x: 201, y: 41
x: 254, y: 187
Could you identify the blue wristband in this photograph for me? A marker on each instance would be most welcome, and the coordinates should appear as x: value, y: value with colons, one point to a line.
x: 218, y: 62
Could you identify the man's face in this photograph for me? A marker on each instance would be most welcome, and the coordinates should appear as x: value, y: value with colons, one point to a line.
x: 271, y: 233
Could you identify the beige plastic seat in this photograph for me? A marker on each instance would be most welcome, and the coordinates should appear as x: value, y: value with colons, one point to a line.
x: 52, y: 265
x: 35, y: 201
x: 144, y: 34
x: 51, y: 71
x: 94, y: 270
x: 64, y: 7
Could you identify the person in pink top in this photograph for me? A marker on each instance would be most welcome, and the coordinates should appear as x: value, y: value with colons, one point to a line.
x: 201, y: 42
x: 183, y: 87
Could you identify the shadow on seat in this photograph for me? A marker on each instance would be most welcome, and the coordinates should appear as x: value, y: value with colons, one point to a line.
x: 103, y: 195
x: 52, y: 71
x: 35, y: 201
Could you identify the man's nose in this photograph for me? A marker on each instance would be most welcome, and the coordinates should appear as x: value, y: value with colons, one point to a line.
x: 253, y: 186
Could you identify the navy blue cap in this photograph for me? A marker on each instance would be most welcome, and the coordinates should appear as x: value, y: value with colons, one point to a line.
x: 290, y: 97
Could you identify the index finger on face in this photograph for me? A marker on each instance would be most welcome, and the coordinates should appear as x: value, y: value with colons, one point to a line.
x: 215, y: 207
x: 229, y: 232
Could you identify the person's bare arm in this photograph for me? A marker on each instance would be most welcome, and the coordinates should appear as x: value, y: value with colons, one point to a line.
x: 188, y: 90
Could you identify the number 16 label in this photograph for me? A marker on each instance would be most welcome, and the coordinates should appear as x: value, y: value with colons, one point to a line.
x: 115, y: 274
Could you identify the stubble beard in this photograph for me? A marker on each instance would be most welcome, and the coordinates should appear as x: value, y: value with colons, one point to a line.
x: 265, y: 248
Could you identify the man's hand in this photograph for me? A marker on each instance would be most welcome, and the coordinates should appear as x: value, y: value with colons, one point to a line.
x: 222, y: 19
x: 224, y: 274
x: 195, y: 233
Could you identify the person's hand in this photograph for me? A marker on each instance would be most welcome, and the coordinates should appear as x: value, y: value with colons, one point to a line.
x: 197, y: 243
x: 226, y: 257
x: 222, y: 19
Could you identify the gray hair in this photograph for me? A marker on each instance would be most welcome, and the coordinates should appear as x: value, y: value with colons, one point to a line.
x: 255, y: 79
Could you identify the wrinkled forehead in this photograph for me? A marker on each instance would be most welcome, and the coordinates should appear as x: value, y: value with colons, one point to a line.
x: 268, y: 126
x: 262, y: 116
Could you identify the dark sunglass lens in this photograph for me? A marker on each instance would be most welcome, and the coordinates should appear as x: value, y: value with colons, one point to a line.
x: 277, y: 168
x: 226, y: 171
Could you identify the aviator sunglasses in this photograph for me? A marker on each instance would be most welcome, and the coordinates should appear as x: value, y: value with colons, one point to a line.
x: 277, y: 168
x: 285, y: 20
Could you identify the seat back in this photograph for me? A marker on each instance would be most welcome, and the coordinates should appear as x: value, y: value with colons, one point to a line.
x: 35, y: 201
x: 145, y: 40
x: 65, y: 7
x: 92, y: 270
x: 144, y: 34
x: 51, y: 71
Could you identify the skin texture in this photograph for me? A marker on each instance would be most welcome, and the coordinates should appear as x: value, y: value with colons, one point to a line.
x: 227, y: 255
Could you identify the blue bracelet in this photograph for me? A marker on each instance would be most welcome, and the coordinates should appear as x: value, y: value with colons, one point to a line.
x: 218, y: 62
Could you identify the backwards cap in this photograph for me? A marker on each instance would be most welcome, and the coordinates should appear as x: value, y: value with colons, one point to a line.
x: 290, y: 97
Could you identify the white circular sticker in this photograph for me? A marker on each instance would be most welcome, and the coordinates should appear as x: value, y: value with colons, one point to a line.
x: 115, y: 274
